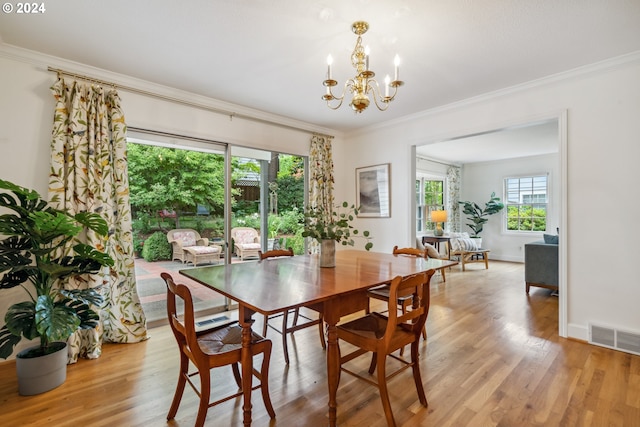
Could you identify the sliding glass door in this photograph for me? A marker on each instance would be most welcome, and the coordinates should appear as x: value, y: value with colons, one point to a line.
x: 180, y: 183
x: 176, y: 183
x: 268, y: 196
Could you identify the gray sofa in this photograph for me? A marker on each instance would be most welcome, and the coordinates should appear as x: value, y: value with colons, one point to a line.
x: 541, y: 265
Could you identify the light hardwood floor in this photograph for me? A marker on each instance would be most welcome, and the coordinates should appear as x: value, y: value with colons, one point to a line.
x: 493, y: 358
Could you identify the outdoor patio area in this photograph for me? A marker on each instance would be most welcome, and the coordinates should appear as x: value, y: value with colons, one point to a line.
x: 153, y: 293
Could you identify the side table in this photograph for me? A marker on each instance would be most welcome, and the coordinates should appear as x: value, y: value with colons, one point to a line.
x: 435, y: 241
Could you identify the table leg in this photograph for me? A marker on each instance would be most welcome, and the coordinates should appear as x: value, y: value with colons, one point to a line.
x: 244, y: 315
x: 333, y: 364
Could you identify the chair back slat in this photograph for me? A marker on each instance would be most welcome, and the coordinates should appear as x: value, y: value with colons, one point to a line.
x: 410, y: 251
x: 185, y: 329
x: 275, y: 253
x: 414, y: 319
x: 410, y: 315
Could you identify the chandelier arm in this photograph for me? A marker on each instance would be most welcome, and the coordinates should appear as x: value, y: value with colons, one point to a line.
x: 347, y: 87
x: 383, y: 107
x: 393, y: 95
x: 337, y: 106
x: 340, y: 98
x: 382, y: 102
x: 377, y: 99
x: 375, y: 88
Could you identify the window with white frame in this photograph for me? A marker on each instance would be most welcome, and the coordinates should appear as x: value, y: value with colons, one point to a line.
x: 526, y: 200
x: 429, y: 197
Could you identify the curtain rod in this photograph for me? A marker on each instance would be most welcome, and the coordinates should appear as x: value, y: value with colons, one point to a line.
x: 436, y: 161
x: 231, y: 114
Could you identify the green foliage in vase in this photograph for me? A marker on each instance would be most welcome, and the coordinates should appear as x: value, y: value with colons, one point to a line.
x: 336, y: 226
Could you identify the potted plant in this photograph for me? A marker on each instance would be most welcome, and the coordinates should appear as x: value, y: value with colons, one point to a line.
x: 478, y: 216
x: 33, y: 256
x: 336, y: 227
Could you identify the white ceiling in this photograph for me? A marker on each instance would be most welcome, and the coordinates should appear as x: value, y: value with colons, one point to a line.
x: 270, y: 54
x: 532, y: 139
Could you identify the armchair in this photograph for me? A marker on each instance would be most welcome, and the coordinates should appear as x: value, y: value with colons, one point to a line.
x: 465, y: 249
x: 541, y: 265
x: 188, y: 246
x: 246, y: 242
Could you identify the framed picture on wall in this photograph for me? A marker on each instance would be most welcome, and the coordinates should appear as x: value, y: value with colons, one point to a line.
x: 373, y: 191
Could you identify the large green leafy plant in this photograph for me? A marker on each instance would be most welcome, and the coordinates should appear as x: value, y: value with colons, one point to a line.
x: 32, y: 256
x: 336, y: 226
x: 478, y: 216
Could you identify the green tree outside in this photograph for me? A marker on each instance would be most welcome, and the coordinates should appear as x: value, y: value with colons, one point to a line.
x: 526, y: 218
x: 179, y: 180
x: 174, y: 179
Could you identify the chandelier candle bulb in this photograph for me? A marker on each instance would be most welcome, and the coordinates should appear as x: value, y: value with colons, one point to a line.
x: 366, y: 58
x: 329, y: 62
x: 387, y: 80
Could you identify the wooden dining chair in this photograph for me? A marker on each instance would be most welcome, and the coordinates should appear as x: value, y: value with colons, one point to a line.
x: 405, y: 301
x: 295, y: 326
x: 410, y: 251
x: 382, y: 335
x: 208, y: 349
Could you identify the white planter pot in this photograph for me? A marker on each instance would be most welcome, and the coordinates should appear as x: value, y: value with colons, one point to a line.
x: 39, y: 374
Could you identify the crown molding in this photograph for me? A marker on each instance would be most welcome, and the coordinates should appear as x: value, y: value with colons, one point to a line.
x: 43, y: 61
x: 590, y: 69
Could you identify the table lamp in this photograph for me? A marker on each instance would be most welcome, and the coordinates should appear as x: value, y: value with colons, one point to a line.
x: 438, y: 217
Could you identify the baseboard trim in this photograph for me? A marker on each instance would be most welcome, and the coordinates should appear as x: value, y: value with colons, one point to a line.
x: 578, y: 332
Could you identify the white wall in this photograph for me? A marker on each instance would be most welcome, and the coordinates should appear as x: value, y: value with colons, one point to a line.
x: 386, y: 232
x: 479, y: 180
x: 603, y: 124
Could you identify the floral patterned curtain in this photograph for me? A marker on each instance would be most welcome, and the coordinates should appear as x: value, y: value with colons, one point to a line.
x: 321, y: 174
x: 89, y: 173
x: 453, y: 187
x: 320, y: 179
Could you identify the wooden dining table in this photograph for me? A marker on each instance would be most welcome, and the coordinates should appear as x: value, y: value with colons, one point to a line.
x: 275, y: 285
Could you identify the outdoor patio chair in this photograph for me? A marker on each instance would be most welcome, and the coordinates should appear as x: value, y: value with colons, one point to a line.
x: 246, y: 242
x: 188, y: 246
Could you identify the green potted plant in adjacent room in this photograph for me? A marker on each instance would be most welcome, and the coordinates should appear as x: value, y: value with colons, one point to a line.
x: 337, y: 228
x: 478, y: 216
x: 32, y: 256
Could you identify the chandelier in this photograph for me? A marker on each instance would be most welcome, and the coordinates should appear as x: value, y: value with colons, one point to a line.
x: 363, y: 83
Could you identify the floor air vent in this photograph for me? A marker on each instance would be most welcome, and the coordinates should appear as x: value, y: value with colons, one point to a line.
x: 615, y: 339
x: 212, y: 321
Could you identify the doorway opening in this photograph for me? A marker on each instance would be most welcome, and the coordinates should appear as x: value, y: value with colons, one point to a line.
x: 496, y: 145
